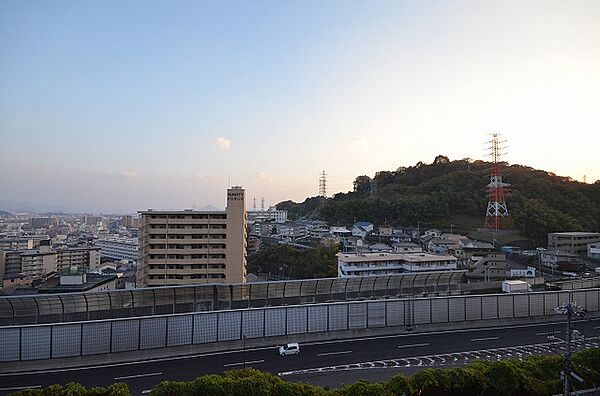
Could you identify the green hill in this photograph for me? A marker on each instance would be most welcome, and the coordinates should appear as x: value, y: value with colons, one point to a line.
x: 453, y: 193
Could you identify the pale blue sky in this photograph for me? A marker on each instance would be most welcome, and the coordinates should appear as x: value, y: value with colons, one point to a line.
x: 119, y: 105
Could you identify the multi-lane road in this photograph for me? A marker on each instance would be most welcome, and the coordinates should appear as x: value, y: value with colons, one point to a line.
x: 349, y: 360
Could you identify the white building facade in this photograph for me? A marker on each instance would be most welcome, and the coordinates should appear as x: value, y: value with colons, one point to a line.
x: 118, y: 248
x: 392, y: 263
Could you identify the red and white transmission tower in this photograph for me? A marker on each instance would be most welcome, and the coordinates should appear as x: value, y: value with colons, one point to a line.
x: 497, y: 211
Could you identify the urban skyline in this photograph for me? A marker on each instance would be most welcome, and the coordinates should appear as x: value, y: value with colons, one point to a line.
x: 116, y: 107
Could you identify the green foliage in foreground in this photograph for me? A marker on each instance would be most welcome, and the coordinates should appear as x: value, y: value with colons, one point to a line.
x: 534, y: 376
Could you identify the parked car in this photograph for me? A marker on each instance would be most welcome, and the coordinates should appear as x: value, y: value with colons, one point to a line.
x: 291, y: 348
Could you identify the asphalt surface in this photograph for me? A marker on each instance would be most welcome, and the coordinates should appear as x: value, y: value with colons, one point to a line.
x: 327, y: 363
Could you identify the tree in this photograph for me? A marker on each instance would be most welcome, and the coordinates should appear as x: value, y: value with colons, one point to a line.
x: 362, y: 184
x: 441, y: 159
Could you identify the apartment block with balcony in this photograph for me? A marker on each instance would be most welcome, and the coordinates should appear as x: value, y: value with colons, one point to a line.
x: 187, y: 246
x: 572, y: 242
x: 82, y: 258
x: 392, y: 263
x: 118, y: 248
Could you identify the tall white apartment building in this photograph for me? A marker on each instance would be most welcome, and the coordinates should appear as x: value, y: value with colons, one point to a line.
x: 187, y: 246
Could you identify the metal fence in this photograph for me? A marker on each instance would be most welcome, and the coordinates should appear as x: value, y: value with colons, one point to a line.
x: 73, y: 307
x: 121, y: 335
x: 584, y: 283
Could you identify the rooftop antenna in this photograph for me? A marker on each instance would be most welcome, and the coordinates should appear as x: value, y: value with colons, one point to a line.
x: 254, y: 203
x: 228, y: 180
x: 262, y: 204
x: 585, y: 179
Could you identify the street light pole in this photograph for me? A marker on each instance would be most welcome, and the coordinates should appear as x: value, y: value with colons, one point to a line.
x: 567, y: 368
x: 569, y: 309
x: 244, y: 352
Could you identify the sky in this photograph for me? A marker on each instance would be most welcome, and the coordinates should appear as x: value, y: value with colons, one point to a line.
x: 119, y: 106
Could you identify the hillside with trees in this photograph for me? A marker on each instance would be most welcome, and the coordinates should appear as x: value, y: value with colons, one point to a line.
x: 446, y: 193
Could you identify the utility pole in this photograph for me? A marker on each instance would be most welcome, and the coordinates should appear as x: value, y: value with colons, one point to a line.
x: 323, y: 185
x: 569, y: 309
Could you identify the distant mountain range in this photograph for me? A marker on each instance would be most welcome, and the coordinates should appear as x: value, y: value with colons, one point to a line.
x: 452, y: 194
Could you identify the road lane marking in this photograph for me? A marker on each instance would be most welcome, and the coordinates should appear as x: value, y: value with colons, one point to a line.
x: 21, y: 387
x: 333, y: 353
x: 242, y: 363
x: 596, y: 327
x: 145, y: 391
x: 549, y: 333
x: 413, y: 345
x: 484, y: 339
x: 138, y: 376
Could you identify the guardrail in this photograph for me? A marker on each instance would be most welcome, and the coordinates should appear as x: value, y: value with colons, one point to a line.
x: 122, y: 335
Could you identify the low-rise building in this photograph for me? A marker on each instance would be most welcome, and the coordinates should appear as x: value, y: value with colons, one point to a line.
x: 84, y: 258
x: 593, y: 251
x: 487, y: 267
x: 391, y: 263
x: 340, y: 231
x: 559, y: 259
x: 271, y: 214
x: 442, y: 246
x: 407, y: 247
x: 361, y: 229
x: 118, y: 248
x: 78, y: 281
x: 572, y: 242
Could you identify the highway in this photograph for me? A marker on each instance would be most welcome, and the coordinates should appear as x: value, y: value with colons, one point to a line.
x: 433, y: 349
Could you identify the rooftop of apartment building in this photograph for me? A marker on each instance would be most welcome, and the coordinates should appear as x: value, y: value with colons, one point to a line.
x: 576, y: 233
x: 181, y: 211
x: 92, y: 280
x: 413, y: 258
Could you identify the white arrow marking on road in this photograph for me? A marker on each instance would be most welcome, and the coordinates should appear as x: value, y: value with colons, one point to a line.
x: 484, y: 339
x: 333, y: 353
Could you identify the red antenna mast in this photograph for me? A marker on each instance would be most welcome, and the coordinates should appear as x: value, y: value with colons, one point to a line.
x: 497, y: 211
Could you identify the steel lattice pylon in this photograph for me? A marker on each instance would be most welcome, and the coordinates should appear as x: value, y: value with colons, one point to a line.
x: 497, y: 211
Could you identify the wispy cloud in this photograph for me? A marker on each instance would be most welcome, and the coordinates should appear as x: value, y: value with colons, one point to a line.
x: 359, y: 142
x: 223, y: 142
x: 130, y: 174
x: 262, y: 176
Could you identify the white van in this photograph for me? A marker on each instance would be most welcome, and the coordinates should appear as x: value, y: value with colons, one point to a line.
x: 291, y: 348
